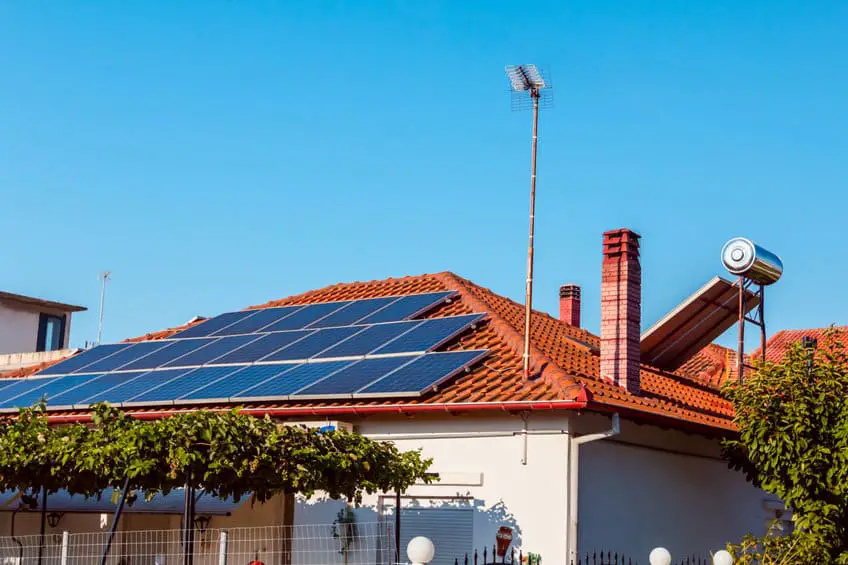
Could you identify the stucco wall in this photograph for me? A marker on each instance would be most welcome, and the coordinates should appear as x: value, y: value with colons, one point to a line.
x: 19, y: 326
x: 651, y: 487
x: 485, y: 473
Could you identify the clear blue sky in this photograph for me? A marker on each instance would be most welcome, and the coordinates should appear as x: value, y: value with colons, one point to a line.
x: 220, y: 154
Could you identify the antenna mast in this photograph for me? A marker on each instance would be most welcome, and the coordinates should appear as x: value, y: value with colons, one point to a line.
x: 104, y: 278
x: 527, y: 78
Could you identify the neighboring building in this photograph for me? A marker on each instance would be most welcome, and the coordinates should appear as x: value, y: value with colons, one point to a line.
x: 545, y: 456
x: 33, y: 330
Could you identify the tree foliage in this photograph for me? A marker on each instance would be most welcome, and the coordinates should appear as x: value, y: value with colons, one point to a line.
x: 792, y: 419
x: 228, y: 454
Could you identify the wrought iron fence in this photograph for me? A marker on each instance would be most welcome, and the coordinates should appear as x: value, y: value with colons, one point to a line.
x: 368, y: 543
x: 514, y: 557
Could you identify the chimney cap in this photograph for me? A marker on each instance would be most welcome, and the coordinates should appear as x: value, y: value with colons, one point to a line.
x: 569, y: 290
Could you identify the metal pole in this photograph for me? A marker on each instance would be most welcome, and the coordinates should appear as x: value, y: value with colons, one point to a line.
x: 43, y: 524
x: 187, y: 522
x: 113, y: 528
x: 397, y: 526
x: 762, y: 314
x: 740, y: 349
x: 528, y: 299
x: 222, y: 548
x: 102, y: 300
x: 66, y: 538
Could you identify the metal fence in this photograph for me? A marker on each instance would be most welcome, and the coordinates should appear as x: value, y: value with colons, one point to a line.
x: 516, y: 557
x: 370, y: 543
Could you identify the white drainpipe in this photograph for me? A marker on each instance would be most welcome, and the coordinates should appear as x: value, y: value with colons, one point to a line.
x: 574, y: 444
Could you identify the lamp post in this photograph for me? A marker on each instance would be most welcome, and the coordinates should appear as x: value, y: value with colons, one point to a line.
x: 420, y: 550
x: 660, y: 556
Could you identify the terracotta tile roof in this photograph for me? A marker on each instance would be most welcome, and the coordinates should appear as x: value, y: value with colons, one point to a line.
x: 779, y: 343
x: 564, y: 357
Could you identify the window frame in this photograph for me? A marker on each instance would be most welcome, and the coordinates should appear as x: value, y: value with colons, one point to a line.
x: 44, y: 319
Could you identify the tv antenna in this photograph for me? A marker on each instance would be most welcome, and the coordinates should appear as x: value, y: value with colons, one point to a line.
x: 104, y: 278
x: 528, y: 79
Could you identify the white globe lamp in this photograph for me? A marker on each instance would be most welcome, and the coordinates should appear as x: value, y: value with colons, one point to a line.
x: 660, y: 556
x: 722, y: 558
x: 420, y: 550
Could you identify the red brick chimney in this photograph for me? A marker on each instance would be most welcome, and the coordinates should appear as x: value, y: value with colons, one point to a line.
x: 569, y: 304
x: 621, y: 306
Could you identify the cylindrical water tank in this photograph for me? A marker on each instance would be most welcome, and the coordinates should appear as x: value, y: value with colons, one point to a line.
x: 744, y: 258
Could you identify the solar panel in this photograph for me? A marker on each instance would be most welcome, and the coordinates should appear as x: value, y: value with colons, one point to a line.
x: 209, y: 353
x: 215, y: 324
x: 353, y: 377
x: 407, y: 307
x: 313, y: 344
x: 354, y: 311
x: 135, y: 386
x: 183, y: 384
x: 173, y: 350
x: 429, y: 335
x: 265, y: 345
x: 292, y: 381
x: 234, y: 383
x: 123, y: 357
x: 369, y: 339
x: 422, y: 374
x: 82, y: 359
x: 91, y: 389
x: 25, y: 389
x: 4, y: 383
x: 305, y: 316
x: 259, y: 320
x: 47, y: 390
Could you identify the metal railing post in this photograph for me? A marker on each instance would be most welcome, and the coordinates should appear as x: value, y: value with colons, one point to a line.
x: 222, y: 548
x: 66, y: 538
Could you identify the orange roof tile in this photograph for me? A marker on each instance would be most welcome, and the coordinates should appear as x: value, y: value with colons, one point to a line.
x: 779, y: 343
x: 564, y: 357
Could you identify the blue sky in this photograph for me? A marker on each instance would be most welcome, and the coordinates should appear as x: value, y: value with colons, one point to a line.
x: 219, y: 154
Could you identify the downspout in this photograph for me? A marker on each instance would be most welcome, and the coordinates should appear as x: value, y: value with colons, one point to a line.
x: 574, y: 444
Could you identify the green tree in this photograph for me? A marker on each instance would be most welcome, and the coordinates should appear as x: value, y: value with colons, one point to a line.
x: 792, y: 419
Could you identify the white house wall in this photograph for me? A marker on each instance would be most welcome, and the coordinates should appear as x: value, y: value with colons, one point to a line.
x: 18, y: 328
x: 650, y: 487
x: 480, y: 460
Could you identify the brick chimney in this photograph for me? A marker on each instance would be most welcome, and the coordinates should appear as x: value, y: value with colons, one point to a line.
x: 621, y: 306
x: 569, y: 304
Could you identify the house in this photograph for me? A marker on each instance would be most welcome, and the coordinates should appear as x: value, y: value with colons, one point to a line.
x: 594, y: 450
x: 33, y: 330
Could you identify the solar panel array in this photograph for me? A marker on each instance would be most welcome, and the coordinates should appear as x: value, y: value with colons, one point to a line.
x: 350, y: 349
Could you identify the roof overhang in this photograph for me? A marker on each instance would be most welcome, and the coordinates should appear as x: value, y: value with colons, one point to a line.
x: 694, y: 324
x: 40, y: 302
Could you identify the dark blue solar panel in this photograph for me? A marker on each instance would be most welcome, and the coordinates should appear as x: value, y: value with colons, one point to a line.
x: 258, y: 321
x: 212, y: 325
x: 136, y: 386
x: 82, y: 359
x: 212, y: 351
x: 369, y: 339
x: 23, y: 388
x: 429, y: 334
x: 48, y: 390
x: 313, y: 344
x: 231, y: 385
x: 92, y: 388
x: 292, y: 381
x: 173, y: 350
x: 406, y: 307
x: 354, y: 311
x: 5, y: 383
x: 355, y: 376
x: 427, y: 371
x: 305, y: 316
x: 184, y: 384
x: 123, y: 357
x: 263, y: 346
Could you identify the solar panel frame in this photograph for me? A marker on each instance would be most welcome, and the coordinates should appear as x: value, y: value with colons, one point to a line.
x: 309, y: 314
x: 209, y: 353
x: 284, y: 384
x: 116, y: 395
x: 385, y: 334
x: 115, y: 362
x: 356, y: 375
x: 235, y: 382
x: 76, y: 397
x: 152, y: 396
x: 26, y: 386
x: 176, y: 349
x: 354, y: 311
x: 464, y: 359
x: 212, y: 325
x: 313, y: 344
x: 410, y: 306
x: 33, y: 395
x: 430, y: 334
x: 80, y: 360
x: 262, y: 318
x: 266, y: 345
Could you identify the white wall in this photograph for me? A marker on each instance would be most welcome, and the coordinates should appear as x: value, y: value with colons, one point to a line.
x: 636, y: 497
x: 485, y: 473
x: 18, y: 328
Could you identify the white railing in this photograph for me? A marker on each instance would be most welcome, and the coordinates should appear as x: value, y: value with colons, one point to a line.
x: 371, y: 543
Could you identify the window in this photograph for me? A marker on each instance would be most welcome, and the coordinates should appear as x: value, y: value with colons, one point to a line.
x: 51, y: 332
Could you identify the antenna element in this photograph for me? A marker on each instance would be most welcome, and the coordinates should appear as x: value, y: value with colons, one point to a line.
x: 104, y: 276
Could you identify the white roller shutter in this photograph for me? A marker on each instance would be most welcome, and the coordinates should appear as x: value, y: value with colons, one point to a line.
x: 450, y: 529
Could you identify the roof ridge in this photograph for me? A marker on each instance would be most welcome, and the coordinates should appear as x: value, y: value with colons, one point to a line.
x: 548, y: 369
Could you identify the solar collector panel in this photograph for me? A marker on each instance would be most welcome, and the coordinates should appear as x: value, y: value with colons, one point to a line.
x: 429, y: 335
x: 56, y: 386
x: 255, y: 323
x: 369, y: 339
x: 173, y: 350
x: 307, y: 315
x: 313, y: 344
x: 425, y: 372
x: 292, y: 381
x: 124, y: 357
x: 264, y: 346
x: 213, y: 351
x: 134, y: 387
x: 24, y: 389
x: 84, y: 358
x: 353, y: 377
x: 234, y: 383
x: 354, y: 311
x: 212, y: 325
x: 407, y: 307
x: 183, y: 384
x: 100, y: 384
